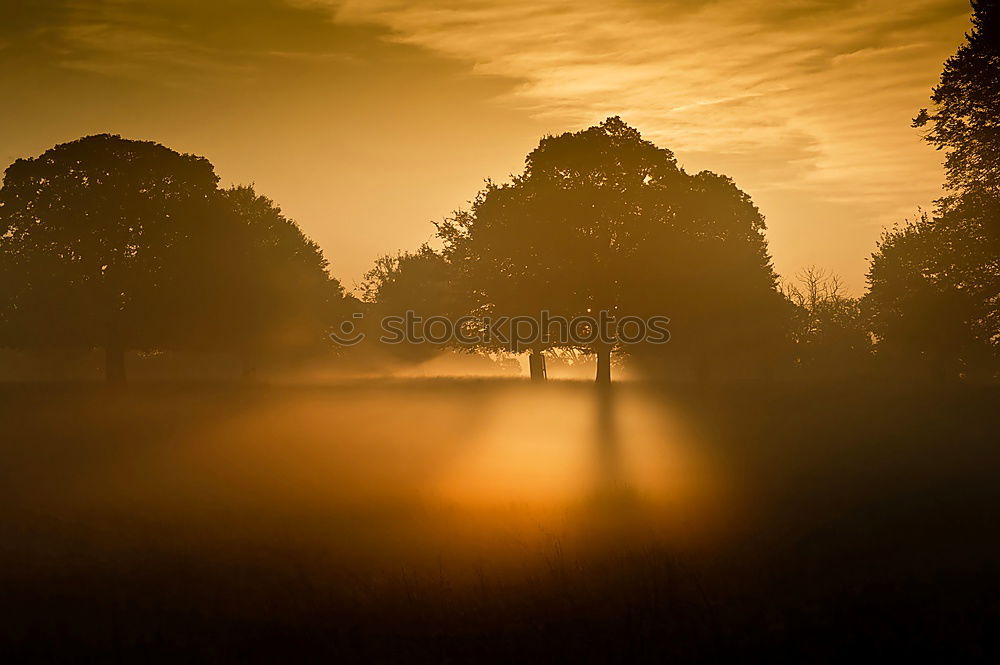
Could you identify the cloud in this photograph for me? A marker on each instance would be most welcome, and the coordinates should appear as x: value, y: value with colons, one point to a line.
x: 174, y: 42
x: 806, y: 103
x: 821, y: 84
x: 117, y: 50
x: 806, y: 99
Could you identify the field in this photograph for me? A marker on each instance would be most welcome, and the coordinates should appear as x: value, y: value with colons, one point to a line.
x: 498, y: 521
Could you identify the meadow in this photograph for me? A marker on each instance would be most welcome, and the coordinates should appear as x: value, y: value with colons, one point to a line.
x: 494, y: 520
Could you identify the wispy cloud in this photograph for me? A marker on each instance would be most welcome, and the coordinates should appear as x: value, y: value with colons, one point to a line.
x: 826, y: 85
x: 173, y: 42
x: 805, y: 96
x: 806, y: 103
x: 118, y: 49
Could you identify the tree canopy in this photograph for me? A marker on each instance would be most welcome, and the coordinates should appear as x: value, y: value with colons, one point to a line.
x: 604, y: 220
x: 419, y: 283
x: 965, y: 119
x: 934, y: 283
x: 272, y: 292
x: 95, y: 237
x: 122, y: 244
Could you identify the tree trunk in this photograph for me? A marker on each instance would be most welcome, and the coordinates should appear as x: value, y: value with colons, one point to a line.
x: 114, y: 363
x: 604, y: 364
x: 536, y: 364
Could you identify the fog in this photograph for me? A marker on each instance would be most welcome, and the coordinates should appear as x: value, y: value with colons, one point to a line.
x: 401, y: 474
x: 408, y: 507
x: 389, y: 474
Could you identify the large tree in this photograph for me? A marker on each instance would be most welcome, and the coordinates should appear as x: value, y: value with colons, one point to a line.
x: 93, y: 234
x: 965, y: 118
x: 932, y: 301
x: 270, y: 292
x: 935, y: 283
x: 602, y: 220
x: 121, y: 244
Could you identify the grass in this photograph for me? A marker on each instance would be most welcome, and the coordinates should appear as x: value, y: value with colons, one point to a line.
x: 494, y: 521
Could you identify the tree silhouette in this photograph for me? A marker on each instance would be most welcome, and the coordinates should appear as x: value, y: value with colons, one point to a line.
x: 94, y: 236
x: 603, y: 220
x: 934, y: 284
x: 706, y: 265
x: 965, y: 120
x: 931, y: 305
x: 417, y: 282
x: 122, y: 244
x: 272, y: 293
x: 829, y: 331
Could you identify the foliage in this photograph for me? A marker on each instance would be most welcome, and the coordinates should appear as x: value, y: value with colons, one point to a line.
x: 965, y: 119
x: 603, y: 220
x: 830, y: 334
x: 108, y: 242
x: 416, y: 282
x: 274, y: 285
x: 935, y: 282
x: 95, y: 240
x: 928, y: 301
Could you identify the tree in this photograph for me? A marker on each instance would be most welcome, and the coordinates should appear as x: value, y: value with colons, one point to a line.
x: 707, y: 266
x: 121, y: 244
x: 830, y: 334
x: 272, y: 294
x: 965, y: 120
x: 602, y: 220
x: 934, y: 284
x: 94, y: 239
x: 416, y: 282
x: 929, y: 305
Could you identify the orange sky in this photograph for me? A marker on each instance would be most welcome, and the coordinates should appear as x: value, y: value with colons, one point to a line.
x: 367, y: 119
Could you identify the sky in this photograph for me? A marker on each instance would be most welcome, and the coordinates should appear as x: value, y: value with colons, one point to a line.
x: 365, y: 120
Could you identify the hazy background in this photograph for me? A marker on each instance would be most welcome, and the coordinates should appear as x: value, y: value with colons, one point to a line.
x: 366, y: 120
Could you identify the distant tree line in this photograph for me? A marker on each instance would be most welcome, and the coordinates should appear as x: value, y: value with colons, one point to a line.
x: 127, y: 245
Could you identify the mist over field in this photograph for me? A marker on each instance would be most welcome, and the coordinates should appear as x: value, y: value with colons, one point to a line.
x: 378, y: 518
